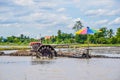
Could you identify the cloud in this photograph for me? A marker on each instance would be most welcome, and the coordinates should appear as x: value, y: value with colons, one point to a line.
x: 113, y: 12
x: 107, y: 3
x: 23, y: 2
x: 61, y: 9
x: 98, y: 7
x: 38, y: 19
x: 87, y: 4
x: 101, y: 22
x: 102, y: 12
x: 47, y: 4
x: 73, y: 21
x: 95, y: 12
x: 115, y: 21
x: 41, y: 15
x: 25, y: 33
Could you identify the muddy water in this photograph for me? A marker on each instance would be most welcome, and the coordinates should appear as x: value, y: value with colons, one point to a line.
x: 26, y: 68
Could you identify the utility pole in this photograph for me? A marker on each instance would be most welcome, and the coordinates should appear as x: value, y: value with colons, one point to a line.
x: 40, y: 38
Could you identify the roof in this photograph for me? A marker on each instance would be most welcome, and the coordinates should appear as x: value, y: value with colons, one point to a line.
x: 48, y: 37
x: 32, y: 43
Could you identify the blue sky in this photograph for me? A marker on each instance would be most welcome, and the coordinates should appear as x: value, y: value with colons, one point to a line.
x: 46, y: 17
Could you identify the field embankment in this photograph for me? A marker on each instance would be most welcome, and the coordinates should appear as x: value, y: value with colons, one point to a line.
x: 12, y: 47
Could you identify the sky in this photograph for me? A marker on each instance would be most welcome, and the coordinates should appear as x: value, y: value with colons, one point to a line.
x: 45, y: 17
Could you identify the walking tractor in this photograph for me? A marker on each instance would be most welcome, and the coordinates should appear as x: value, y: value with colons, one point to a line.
x: 42, y: 50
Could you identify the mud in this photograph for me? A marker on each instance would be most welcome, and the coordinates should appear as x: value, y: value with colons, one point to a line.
x: 60, y: 54
x: 2, y: 53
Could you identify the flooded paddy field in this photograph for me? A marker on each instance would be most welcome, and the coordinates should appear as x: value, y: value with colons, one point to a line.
x: 26, y: 68
x: 62, y: 68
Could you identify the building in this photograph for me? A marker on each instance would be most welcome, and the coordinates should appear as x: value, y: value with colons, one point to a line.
x: 48, y: 37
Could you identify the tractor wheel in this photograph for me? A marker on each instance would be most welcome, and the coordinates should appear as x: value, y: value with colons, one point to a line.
x: 46, y: 51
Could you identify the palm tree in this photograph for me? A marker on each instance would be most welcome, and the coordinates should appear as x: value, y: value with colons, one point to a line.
x: 110, y: 33
x: 118, y: 32
x: 78, y: 25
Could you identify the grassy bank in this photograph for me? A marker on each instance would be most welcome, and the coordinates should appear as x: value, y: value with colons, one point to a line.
x: 96, y: 45
x: 14, y: 47
x: 23, y: 47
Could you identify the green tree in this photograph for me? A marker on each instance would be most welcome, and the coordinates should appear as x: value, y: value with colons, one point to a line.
x: 21, y: 36
x: 118, y: 35
x: 102, y: 37
x: 110, y: 33
x: 78, y: 25
x: 101, y: 40
x: 92, y: 39
x: 113, y: 40
x: 1, y: 38
x: 10, y: 39
x: 80, y: 38
x: 103, y: 33
x: 59, y: 38
x: 59, y: 34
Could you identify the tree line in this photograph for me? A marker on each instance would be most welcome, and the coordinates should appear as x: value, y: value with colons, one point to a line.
x: 20, y: 40
x: 106, y: 36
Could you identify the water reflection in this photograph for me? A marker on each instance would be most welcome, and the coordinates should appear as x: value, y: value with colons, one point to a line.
x: 38, y: 62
